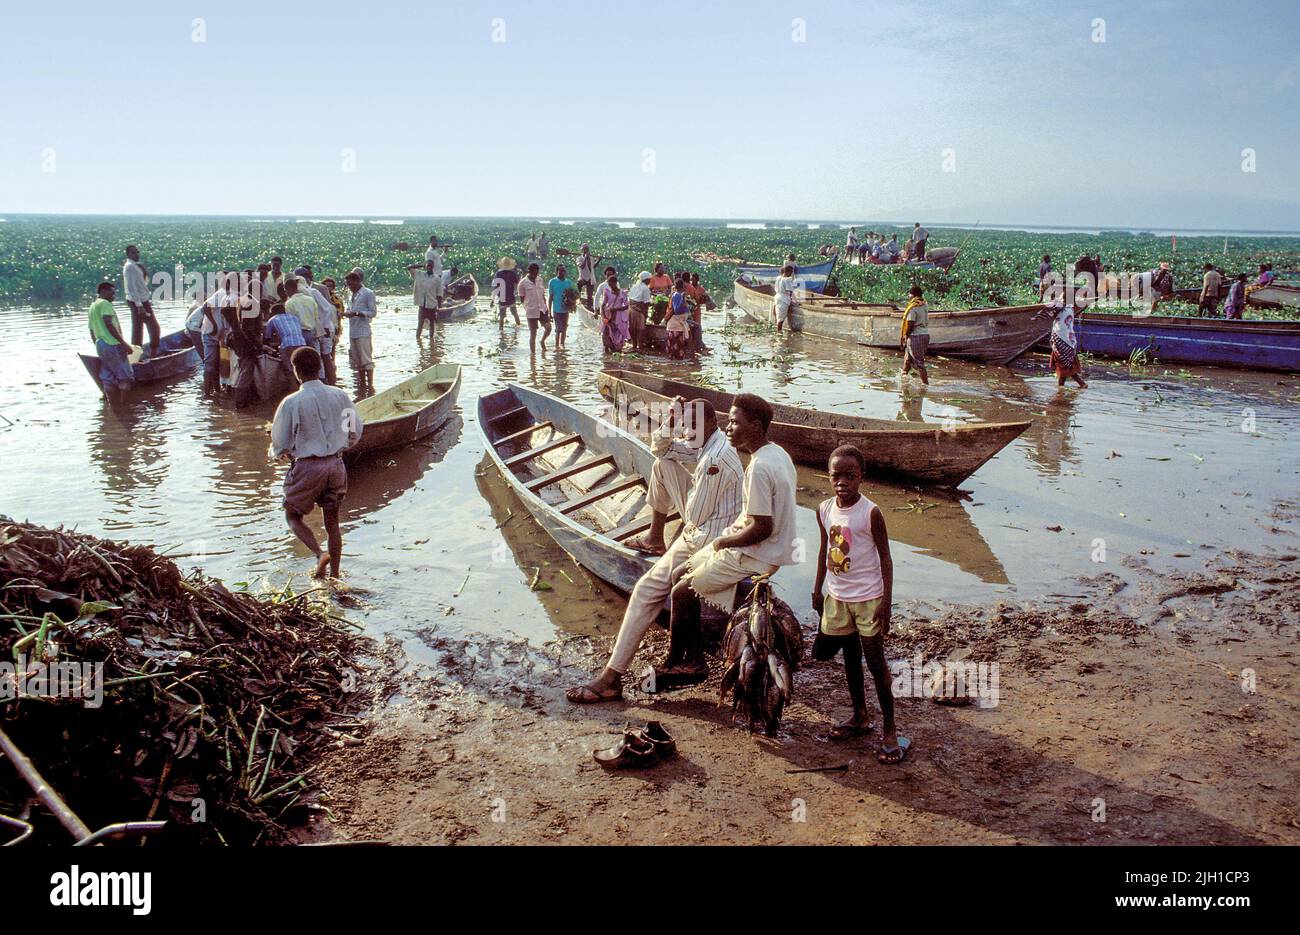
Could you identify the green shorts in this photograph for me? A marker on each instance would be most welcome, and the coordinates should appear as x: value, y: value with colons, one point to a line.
x: 842, y: 618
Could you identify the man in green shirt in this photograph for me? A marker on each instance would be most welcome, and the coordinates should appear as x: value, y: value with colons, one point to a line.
x: 115, y: 374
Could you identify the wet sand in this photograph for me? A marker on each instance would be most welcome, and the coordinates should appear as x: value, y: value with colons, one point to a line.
x: 1164, y: 712
x: 1155, y: 464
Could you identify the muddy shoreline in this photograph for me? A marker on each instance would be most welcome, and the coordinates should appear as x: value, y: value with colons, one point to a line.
x: 1145, y: 706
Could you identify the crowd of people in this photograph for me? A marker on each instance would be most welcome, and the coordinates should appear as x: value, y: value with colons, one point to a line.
x: 872, y: 247
x: 255, y: 314
x: 627, y: 319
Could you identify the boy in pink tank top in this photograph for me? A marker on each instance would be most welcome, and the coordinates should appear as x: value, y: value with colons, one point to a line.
x: 855, y: 608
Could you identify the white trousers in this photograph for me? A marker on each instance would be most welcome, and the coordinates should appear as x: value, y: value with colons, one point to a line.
x: 670, y: 484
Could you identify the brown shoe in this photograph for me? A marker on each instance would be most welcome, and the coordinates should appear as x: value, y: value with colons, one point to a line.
x: 664, y: 743
x: 634, y: 751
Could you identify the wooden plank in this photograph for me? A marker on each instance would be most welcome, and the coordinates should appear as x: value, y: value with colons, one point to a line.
x: 554, y: 443
x: 522, y: 433
x: 415, y: 402
x: 501, y: 417
x: 600, y: 493
x: 635, y: 527
x: 562, y: 473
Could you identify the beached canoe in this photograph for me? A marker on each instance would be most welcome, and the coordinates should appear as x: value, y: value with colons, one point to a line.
x: 581, y: 478
x: 813, y: 277
x: 462, y: 295
x: 988, y: 335
x: 407, y: 412
x: 927, y: 453
x: 1214, y: 342
x: 176, y: 356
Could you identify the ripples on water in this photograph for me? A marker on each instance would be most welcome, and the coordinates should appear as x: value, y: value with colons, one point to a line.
x: 175, y: 471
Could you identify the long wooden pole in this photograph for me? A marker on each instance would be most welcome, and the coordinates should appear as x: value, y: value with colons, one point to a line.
x: 43, y: 790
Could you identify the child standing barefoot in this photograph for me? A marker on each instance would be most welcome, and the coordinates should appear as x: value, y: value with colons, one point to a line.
x: 855, y: 610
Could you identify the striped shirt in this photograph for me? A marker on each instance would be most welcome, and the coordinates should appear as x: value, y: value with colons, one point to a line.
x: 287, y: 329
x: 717, y: 485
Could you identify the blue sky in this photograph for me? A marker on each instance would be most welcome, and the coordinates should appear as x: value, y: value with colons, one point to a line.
x: 1045, y: 125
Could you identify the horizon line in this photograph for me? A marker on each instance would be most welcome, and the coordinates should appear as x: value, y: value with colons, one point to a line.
x: 536, y: 219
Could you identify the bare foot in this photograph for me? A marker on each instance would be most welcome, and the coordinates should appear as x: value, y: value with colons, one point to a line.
x: 322, y: 565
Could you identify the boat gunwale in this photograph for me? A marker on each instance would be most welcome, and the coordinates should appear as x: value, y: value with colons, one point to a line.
x: 886, y: 425
x: 826, y: 305
x: 453, y: 387
x: 529, y: 497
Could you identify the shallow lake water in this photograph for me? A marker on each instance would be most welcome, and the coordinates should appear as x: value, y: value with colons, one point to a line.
x: 1161, y: 464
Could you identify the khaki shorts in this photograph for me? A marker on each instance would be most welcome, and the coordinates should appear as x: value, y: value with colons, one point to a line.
x: 313, y: 482
x: 713, y: 574
x: 361, y: 354
x: 843, y: 618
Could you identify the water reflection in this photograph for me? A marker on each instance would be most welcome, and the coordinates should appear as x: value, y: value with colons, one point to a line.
x: 1051, y: 435
x: 934, y: 522
x: 576, y: 601
x: 377, y: 481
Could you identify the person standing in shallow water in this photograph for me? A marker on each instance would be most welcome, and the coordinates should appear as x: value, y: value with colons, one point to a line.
x: 428, y: 289
x: 1065, y: 345
x: 915, y: 337
x: 361, y: 311
x: 533, y: 293
x: 312, y: 429
x: 559, y: 292
x: 115, y: 373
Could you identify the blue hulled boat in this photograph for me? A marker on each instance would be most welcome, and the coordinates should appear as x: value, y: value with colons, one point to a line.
x: 1213, y: 342
x: 813, y: 277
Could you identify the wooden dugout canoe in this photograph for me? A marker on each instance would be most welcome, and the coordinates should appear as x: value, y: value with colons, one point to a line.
x: 987, y: 335
x: 407, y: 412
x: 177, y: 356
x: 462, y: 297
x: 582, y: 479
x: 928, y: 453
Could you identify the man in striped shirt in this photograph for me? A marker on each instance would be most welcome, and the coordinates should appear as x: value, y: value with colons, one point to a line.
x: 697, y: 475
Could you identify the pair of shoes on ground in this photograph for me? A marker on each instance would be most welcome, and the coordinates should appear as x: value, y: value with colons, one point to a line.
x: 639, y: 748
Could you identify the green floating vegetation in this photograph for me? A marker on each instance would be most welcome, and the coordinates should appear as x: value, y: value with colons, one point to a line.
x: 61, y: 259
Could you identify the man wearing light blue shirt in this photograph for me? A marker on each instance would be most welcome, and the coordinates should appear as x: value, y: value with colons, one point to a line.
x: 312, y: 429
x: 361, y: 309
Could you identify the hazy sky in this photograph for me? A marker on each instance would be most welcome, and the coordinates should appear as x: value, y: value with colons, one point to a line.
x: 570, y: 113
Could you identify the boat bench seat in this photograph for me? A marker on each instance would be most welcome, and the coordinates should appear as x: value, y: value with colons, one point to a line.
x: 636, y: 527
x: 553, y: 444
x: 577, y: 468
x: 522, y: 433
x: 600, y: 493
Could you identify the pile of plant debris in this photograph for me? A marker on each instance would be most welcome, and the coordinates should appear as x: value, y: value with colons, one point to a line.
x: 212, y: 704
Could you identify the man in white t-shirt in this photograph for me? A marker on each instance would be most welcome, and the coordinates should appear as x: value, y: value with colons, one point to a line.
x: 760, y: 541
x: 784, y: 295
